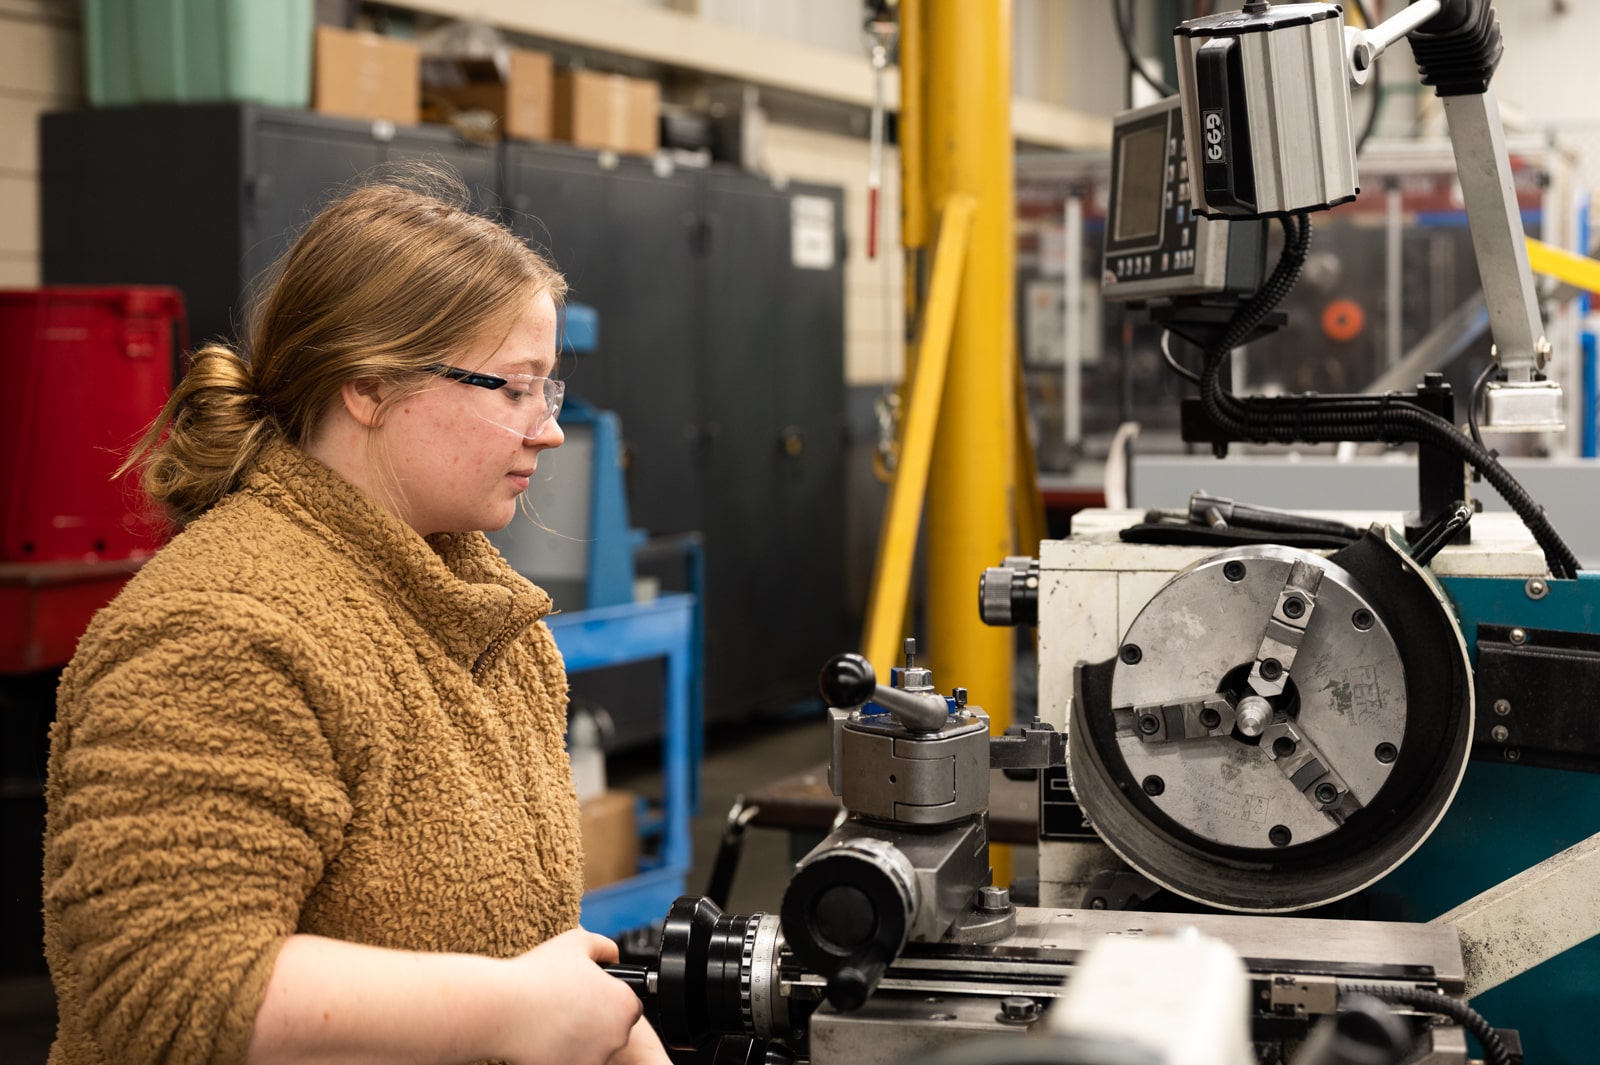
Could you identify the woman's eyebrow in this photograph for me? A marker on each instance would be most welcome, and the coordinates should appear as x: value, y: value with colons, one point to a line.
x: 534, y: 367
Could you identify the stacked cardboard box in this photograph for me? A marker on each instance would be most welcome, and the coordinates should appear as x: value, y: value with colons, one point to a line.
x: 594, y: 110
x: 367, y: 75
x: 519, y: 93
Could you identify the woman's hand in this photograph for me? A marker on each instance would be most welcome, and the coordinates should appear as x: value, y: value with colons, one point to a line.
x: 575, y: 1012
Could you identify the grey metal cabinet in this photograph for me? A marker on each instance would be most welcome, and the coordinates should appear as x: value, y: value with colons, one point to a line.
x: 624, y: 237
x: 722, y: 351
x: 773, y: 363
x: 206, y: 198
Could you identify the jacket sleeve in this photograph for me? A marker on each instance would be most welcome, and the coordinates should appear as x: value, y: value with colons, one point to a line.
x: 194, y: 801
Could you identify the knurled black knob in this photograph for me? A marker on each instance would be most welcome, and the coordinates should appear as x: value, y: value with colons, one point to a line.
x: 847, y: 680
x: 1008, y: 594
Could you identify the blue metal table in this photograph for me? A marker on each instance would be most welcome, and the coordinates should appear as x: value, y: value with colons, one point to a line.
x: 610, y: 636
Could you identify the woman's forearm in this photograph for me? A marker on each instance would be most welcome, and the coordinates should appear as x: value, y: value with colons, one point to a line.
x: 336, y: 1002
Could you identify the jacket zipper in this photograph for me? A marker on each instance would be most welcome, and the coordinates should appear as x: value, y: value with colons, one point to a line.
x: 505, y: 636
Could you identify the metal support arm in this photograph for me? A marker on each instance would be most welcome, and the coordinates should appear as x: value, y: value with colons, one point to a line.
x: 1366, y: 45
x: 1461, y: 52
x: 1530, y: 918
x: 1490, y: 195
x: 1457, y: 51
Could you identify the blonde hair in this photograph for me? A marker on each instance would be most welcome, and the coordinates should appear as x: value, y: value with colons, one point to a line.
x: 390, y: 278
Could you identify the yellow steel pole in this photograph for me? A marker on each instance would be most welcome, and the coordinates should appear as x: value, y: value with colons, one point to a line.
x: 966, y: 123
x: 914, y: 213
x: 913, y: 202
x: 966, y: 128
x: 897, y: 540
x: 1029, y: 514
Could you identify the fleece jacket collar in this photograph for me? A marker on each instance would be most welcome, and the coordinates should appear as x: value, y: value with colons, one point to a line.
x: 455, y: 584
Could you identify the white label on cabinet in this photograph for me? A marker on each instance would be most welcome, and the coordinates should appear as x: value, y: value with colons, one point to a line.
x: 811, y: 227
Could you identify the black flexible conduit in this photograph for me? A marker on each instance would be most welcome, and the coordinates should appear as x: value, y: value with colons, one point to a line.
x: 1494, y: 1050
x: 1120, y: 14
x: 1308, y: 419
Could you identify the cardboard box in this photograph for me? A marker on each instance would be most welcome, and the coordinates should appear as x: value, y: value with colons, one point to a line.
x: 522, y: 102
x: 365, y: 75
x: 610, y: 838
x: 594, y: 110
x: 642, y: 127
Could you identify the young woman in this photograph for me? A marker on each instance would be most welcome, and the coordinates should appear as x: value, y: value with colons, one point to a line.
x: 308, y: 798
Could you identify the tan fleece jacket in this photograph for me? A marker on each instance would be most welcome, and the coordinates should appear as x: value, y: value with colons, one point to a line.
x: 299, y: 717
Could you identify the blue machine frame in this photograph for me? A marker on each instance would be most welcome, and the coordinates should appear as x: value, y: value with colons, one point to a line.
x: 1506, y: 818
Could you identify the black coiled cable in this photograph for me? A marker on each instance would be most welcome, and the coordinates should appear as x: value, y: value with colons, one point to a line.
x: 1494, y: 1049
x: 1308, y: 419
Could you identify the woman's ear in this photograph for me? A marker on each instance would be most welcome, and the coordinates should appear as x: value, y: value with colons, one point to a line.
x: 363, y: 397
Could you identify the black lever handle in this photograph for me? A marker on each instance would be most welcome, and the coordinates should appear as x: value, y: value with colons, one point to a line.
x: 637, y: 977
x: 1435, y: 537
x: 849, y: 680
x: 1204, y: 509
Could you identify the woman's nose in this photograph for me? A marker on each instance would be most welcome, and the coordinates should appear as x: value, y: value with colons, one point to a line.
x: 549, y: 435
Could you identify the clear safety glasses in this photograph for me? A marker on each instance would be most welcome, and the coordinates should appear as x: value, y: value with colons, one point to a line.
x: 524, y: 404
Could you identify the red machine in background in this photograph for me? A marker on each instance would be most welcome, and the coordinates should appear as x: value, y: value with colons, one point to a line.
x: 84, y: 372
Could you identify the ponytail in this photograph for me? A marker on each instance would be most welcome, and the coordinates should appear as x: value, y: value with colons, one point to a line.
x: 206, y: 439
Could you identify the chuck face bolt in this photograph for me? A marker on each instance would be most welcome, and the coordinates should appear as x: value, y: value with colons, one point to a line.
x: 993, y: 899
x: 1016, y: 1009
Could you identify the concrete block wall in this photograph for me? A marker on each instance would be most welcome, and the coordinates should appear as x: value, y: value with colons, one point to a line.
x: 40, y: 64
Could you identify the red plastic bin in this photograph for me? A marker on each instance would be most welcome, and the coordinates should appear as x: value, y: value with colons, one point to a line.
x: 45, y: 606
x: 85, y: 372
